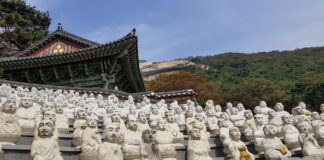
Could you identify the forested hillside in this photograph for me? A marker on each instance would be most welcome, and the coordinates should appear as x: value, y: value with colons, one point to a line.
x: 287, y: 76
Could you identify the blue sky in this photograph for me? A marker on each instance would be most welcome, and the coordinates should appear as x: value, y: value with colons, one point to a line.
x: 169, y: 29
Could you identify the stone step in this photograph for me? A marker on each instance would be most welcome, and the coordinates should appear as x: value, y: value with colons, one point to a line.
x: 22, y: 152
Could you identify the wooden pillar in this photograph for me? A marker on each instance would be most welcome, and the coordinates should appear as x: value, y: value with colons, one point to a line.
x: 102, y: 67
x: 27, y: 76
x: 10, y: 76
x: 42, y: 75
x: 56, y: 74
x: 86, y: 69
x: 71, y: 75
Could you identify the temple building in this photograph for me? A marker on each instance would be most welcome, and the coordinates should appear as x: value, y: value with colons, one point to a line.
x: 64, y: 59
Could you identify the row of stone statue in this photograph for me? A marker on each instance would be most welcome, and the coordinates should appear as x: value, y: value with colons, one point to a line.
x: 46, y: 113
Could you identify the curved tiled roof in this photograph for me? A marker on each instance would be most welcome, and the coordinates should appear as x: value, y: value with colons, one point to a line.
x: 125, y: 49
x: 59, y: 33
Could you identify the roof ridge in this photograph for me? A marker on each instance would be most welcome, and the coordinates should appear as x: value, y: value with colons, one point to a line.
x: 12, y: 58
x: 57, y: 32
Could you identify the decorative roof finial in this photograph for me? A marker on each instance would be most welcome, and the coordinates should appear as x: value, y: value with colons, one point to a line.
x: 133, y: 31
x: 59, y: 26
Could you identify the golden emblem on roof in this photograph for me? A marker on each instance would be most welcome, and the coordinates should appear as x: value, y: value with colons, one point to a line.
x: 58, y: 49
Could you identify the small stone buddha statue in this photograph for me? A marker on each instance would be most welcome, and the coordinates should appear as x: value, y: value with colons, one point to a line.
x: 164, y: 140
x: 198, y: 144
x: 280, y: 110
x: 154, y: 117
x: 322, y: 111
x: 61, y: 120
x: 248, y: 125
x: 26, y: 114
x: 79, y: 126
x: 180, y: 118
x: 237, y: 148
x: 272, y: 145
x: 150, y: 152
x: 91, y: 140
x: 290, y: 133
x: 236, y: 118
x: 276, y: 121
x: 315, y: 120
x: 133, y: 146
x: 309, y: 144
x: 45, y: 147
x: 173, y: 128
x: 258, y: 133
x: 10, y: 130
x: 110, y: 149
x: 142, y: 122
x: 212, y: 122
x: 189, y: 119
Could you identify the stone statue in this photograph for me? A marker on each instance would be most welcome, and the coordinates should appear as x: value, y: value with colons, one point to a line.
x: 180, y: 118
x: 263, y: 109
x: 224, y: 116
x: 110, y: 149
x: 133, y: 147
x: 91, y: 140
x: 79, y: 126
x: 316, y: 119
x: 132, y: 113
x: 229, y: 105
x: 10, y: 130
x: 212, y: 122
x: 280, y: 110
x: 142, y: 122
x: 303, y: 106
x: 300, y: 116
x: 107, y: 118
x: 249, y: 125
x: 45, y: 147
x: 172, y: 127
x: 189, y: 119
x: 276, y: 121
x: 199, y: 110
x: 307, y: 141
x: 163, y: 140
x: 237, y: 119
x: 199, y: 120
x: 123, y: 111
x: 198, y: 144
x: 61, y: 120
x: 154, y: 117
x: 218, y: 110
x: 272, y: 145
x: 238, y: 149
x: 150, y: 152
x: 68, y: 110
x: 209, y: 105
x: 241, y: 109
x: 319, y: 134
x: 224, y: 135
x: 290, y: 133
x: 26, y: 115
x: 322, y: 111
x: 115, y: 118
x: 258, y: 133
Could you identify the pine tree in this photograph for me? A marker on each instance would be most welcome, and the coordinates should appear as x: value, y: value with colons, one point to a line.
x: 20, y: 26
